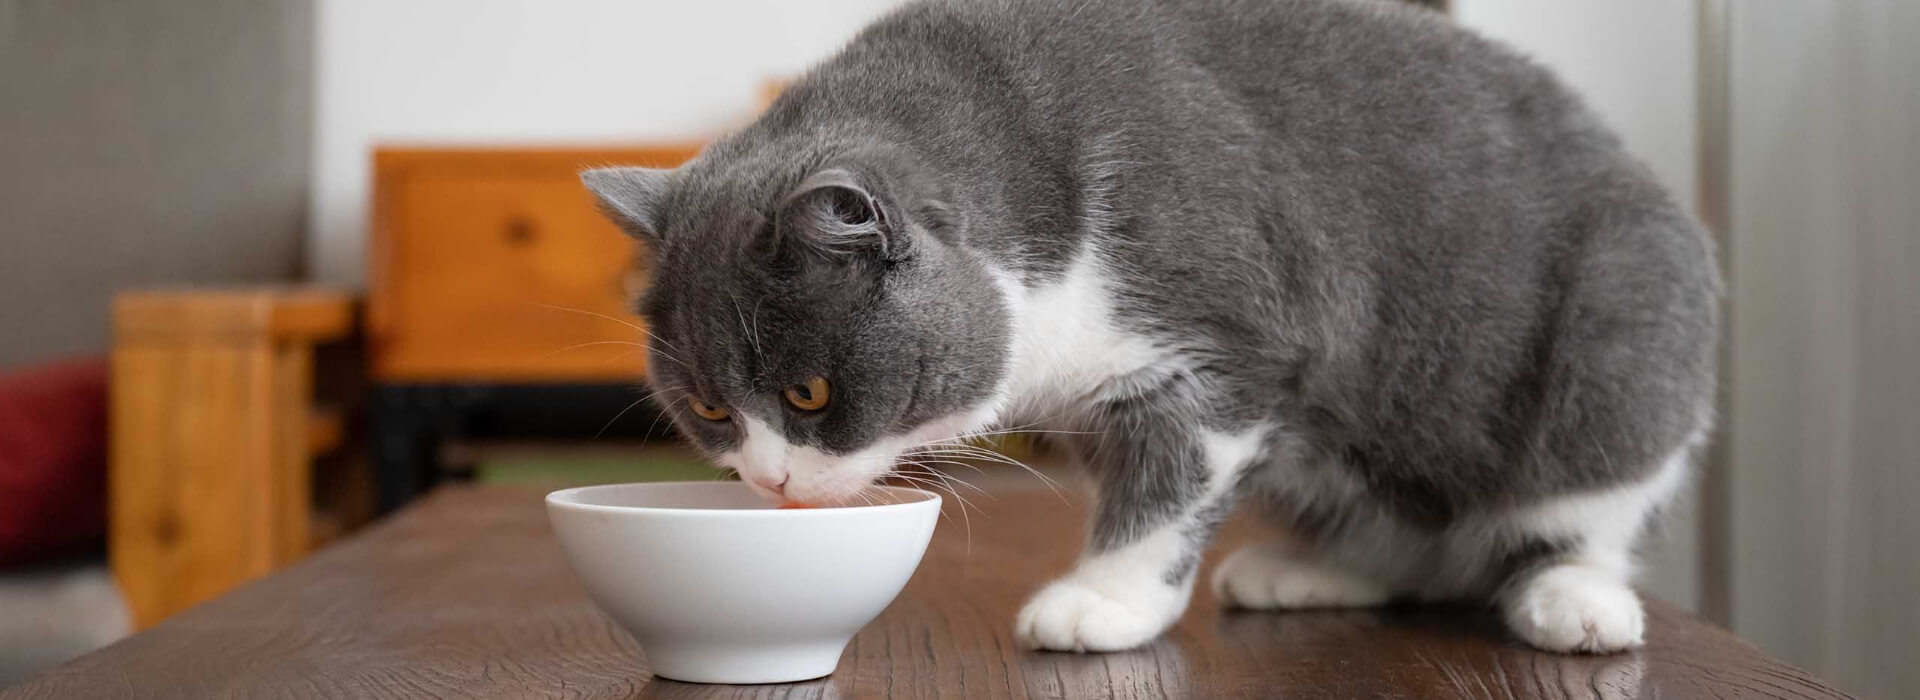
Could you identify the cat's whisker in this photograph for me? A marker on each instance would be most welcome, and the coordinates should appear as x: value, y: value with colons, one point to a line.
x: 624, y: 355
x: 991, y: 456
x: 663, y: 415
x: 631, y: 406
x: 578, y: 346
x: 1001, y: 459
x: 756, y: 323
x: 964, y: 505
x: 911, y: 480
x: 862, y: 494
x: 656, y: 422
x: 629, y: 324
x: 616, y: 417
x: 988, y: 431
x: 940, y: 481
x: 975, y: 467
x: 753, y: 337
x: 996, y: 433
x: 966, y: 519
x: 932, y: 476
x: 970, y: 452
x: 1042, y: 421
x: 963, y: 448
x: 663, y: 390
x: 961, y: 482
x: 937, y: 452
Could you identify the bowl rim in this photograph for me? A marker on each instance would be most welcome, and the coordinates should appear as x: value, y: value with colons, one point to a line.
x: 563, y: 498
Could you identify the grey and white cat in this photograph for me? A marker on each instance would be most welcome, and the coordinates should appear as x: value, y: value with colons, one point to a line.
x: 1340, y: 261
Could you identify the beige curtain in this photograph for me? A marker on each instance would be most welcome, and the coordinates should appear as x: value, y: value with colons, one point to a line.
x: 1822, y: 530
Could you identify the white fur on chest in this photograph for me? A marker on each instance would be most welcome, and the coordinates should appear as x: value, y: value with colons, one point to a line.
x: 1067, y: 348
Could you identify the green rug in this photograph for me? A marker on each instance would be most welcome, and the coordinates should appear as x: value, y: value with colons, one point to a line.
x: 560, y: 471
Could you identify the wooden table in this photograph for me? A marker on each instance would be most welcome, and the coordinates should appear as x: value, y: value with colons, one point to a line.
x: 466, y: 595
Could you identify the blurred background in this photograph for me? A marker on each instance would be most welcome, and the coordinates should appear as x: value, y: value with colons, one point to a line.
x: 270, y: 269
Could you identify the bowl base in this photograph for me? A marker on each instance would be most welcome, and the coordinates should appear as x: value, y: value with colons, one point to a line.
x: 744, y: 664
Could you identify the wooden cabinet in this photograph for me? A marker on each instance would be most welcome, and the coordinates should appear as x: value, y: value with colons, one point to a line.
x: 495, y: 266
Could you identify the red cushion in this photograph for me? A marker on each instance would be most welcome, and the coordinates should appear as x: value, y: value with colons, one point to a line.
x: 53, y: 459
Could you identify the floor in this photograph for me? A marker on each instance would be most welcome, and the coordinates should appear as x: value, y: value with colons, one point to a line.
x: 54, y: 612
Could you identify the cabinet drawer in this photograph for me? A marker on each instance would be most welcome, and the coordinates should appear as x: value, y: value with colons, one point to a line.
x: 497, y: 266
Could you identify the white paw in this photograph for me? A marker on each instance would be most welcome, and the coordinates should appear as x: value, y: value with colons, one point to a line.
x: 1069, y: 615
x: 1261, y: 578
x: 1573, y: 608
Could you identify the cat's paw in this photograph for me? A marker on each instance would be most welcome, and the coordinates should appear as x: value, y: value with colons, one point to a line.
x: 1069, y: 615
x: 1260, y: 578
x: 1574, y: 608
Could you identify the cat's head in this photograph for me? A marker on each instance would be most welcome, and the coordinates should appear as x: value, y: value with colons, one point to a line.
x: 810, y: 323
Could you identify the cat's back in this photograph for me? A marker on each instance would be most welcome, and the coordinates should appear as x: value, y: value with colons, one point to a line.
x: 1250, y: 50
x: 1336, y: 91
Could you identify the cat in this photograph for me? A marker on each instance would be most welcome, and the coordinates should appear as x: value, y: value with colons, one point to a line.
x: 1337, y: 261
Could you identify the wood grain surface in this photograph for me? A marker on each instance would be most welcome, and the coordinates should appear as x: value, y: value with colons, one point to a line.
x: 210, y: 481
x: 466, y: 595
x: 494, y: 265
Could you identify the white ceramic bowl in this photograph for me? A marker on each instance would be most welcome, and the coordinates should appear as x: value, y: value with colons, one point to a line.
x: 719, y: 587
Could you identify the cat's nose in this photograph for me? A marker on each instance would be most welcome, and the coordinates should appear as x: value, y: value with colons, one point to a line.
x: 776, y: 483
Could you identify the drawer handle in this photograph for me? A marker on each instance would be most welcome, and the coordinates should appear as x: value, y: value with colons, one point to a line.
x: 519, y: 231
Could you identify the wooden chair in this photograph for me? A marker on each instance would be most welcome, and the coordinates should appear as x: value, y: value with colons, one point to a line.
x: 214, y: 433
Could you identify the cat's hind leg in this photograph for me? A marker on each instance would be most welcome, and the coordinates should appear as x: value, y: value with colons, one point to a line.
x: 1330, y: 546
x: 1269, y: 576
x: 1163, y: 486
x: 1578, y: 595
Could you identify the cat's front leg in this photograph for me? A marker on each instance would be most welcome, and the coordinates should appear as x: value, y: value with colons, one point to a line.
x: 1164, y: 485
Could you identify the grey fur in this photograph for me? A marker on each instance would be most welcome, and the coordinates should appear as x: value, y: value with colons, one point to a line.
x: 1410, y: 249
x: 630, y: 196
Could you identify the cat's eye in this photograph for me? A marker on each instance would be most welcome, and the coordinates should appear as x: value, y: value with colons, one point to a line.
x: 811, y: 396
x: 701, y: 409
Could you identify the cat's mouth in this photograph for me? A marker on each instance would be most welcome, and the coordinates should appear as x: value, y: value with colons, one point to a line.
x: 927, y: 472
x: 856, y: 479
x: 808, y: 477
x: 785, y: 473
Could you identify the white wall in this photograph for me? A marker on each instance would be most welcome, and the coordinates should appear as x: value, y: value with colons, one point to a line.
x: 511, y: 71
x: 1634, y: 62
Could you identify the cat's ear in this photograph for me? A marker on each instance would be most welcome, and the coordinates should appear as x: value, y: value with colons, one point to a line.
x: 834, y: 214
x: 632, y: 197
